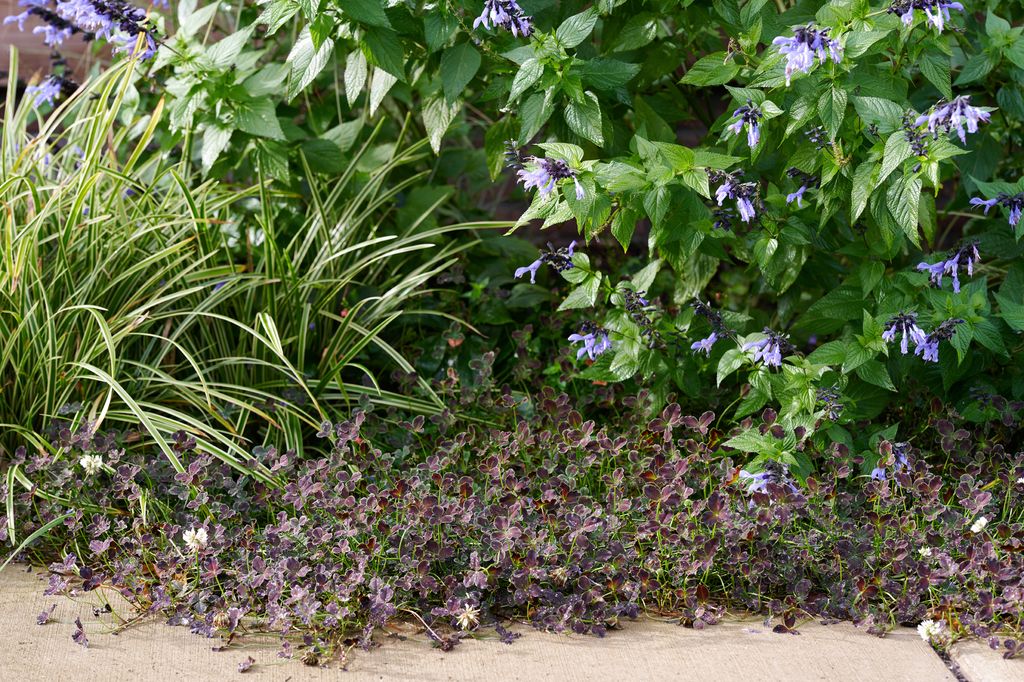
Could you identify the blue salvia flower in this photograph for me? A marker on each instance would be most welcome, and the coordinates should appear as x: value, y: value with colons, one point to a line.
x: 899, y: 461
x: 559, y: 259
x: 806, y: 44
x: 951, y: 266
x: 929, y: 348
x: 507, y: 14
x: 905, y: 325
x: 1014, y: 203
x: 806, y: 182
x: 594, y: 338
x: 731, y: 188
x: 47, y: 91
x: 769, y: 350
x: 113, y: 20
x: 747, y: 115
x: 947, y: 116
x: 773, y: 472
x: 545, y: 175
x: 718, y: 328
x: 936, y: 12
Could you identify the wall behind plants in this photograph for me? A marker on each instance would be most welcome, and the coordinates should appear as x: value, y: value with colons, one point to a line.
x: 818, y: 204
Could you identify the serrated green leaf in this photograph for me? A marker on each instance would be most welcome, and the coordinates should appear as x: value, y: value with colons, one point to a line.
x: 258, y: 117
x: 438, y: 113
x: 832, y: 108
x: 369, y: 12
x: 385, y: 50
x: 306, y: 62
x: 458, y: 66
x: 584, y: 118
x: 576, y: 28
x: 356, y: 70
x: 712, y: 69
x: 529, y: 73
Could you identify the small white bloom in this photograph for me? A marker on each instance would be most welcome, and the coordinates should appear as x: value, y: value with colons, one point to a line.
x: 979, y: 524
x: 925, y: 551
x: 931, y: 631
x: 93, y: 464
x: 196, y: 538
x: 1020, y: 481
x: 468, y: 617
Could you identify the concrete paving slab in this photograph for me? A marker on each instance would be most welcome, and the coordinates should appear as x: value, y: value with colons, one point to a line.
x: 979, y: 663
x: 644, y: 650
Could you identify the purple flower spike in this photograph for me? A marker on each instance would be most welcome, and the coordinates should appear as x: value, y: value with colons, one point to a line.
x: 904, y: 324
x: 807, y: 44
x: 46, y: 92
x: 1014, y: 204
x: 705, y: 344
x: 797, y: 196
x: 507, y: 14
x: 594, y: 338
x: 769, y: 350
x: 929, y: 348
x: 559, y: 259
x: 948, y: 116
x: 936, y: 12
x: 545, y: 175
x: 747, y: 115
x: 951, y: 266
x: 731, y: 188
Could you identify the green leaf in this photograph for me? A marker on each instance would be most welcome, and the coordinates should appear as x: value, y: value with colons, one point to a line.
x: 438, y: 113
x: 259, y: 117
x: 884, y: 113
x: 934, y: 66
x: 897, y: 150
x: 380, y: 84
x: 713, y: 69
x: 529, y: 73
x: 832, y: 108
x: 190, y: 20
x: 215, y: 138
x: 458, y: 66
x: 355, y: 75
x: 858, y: 42
x: 533, y: 114
x: 903, y: 199
x: 656, y: 203
x: 639, y: 30
x: 584, y: 118
x: 323, y: 156
x: 369, y: 12
x: 439, y: 27
x: 306, y: 62
x: 606, y: 74
x: 875, y: 373
x: 730, y: 361
x: 266, y: 81
x: 860, y: 189
x: 224, y: 53
x: 1012, y: 313
x: 385, y: 50
x: 584, y: 295
x: 576, y: 28
x: 976, y: 68
x: 752, y: 440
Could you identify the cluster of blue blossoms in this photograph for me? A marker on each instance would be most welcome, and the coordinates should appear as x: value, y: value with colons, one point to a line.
x: 967, y: 254
x: 807, y: 44
x: 507, y: 14
x: 936, y: 12
x: 118, y: 22
x: 926, y: 345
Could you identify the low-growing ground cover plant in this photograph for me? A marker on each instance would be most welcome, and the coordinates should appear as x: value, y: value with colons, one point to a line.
x: 798, y: 220
x: 567, y: 523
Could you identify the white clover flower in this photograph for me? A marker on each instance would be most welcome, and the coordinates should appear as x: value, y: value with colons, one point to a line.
x: 925, y: 551
x: 979, y: 524
x: 195, y: 538
x: 931, y: 631
x: 93, y: 464
x: 468, y: 617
